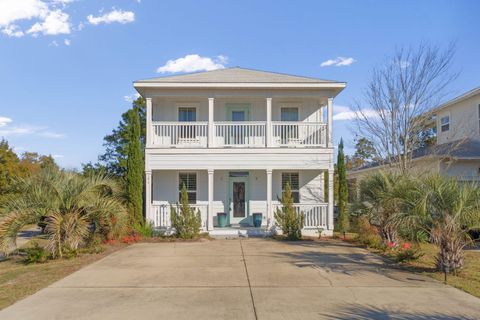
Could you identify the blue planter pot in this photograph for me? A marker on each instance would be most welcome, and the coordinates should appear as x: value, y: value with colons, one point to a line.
x: 257, y: 220
x: 222, y: 219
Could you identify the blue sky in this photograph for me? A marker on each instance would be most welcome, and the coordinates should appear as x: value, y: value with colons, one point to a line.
x: 66, y: 66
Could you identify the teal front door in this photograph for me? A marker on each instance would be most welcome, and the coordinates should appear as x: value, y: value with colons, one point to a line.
x: 238, y: 199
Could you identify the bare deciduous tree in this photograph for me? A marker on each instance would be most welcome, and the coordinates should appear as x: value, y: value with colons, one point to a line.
x: 399, y: 96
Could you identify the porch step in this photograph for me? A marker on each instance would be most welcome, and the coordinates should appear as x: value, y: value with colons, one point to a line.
x: 226, y: 233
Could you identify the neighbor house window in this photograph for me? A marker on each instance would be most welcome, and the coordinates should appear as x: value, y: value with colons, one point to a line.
x: 293, y: 179
x: 445, y: 123
x: 189, y: 179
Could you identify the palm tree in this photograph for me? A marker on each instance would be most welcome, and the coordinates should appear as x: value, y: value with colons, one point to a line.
x: 73, y: 207
x: 448, y: 210
x: 382, y: 198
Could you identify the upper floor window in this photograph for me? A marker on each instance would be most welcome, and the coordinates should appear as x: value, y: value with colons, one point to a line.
x: 293, y: 179
x: 186, y: 114
x: 189, y: 179
x: 445, y: 123
x: 289, y: 114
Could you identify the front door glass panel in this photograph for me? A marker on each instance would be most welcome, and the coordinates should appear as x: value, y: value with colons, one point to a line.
x: 239, y: 199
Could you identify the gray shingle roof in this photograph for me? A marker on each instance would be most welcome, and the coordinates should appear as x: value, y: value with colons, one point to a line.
x: 460, y: 149
x: 234, y: 75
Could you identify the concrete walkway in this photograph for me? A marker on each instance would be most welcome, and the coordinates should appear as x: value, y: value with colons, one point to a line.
x: 244, y: 279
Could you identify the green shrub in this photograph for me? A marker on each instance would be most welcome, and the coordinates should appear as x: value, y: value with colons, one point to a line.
x: 36, y: 254
x: 185, y: 220
x: 287, y: 217
x: 408, y: 255
x: 144, y: 229
x: 368, y: 234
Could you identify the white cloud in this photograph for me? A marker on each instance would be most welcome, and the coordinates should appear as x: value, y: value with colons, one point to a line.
x: 67, y: 42
x: 338, y: 62
x: 54, y: 43
x: 13, y: 30
x: 56, y: 22
x: 57, y: 156
x: 6, y: 130
x: 341, y: 113
x: 4, y: 121
x: 119, y: 16
x: 132, y: 97
x: 11, y: 11
x: 192, y: 63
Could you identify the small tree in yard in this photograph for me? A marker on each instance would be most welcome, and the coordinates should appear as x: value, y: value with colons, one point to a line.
x: 287, y: 218
x: 343, y: 219
x: 134, y: 174
x: 448, y: 210
x: 185, y: 220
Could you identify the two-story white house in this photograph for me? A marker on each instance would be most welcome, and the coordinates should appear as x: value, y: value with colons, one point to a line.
x: 456, y: 152
x: 234, y: 137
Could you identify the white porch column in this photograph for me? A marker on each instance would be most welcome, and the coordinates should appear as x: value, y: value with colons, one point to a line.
x: 211, y: 128
x: 330, y: 200
x: 269, y: 131
x: 149, y: 128
x: 210, y: 200
x: 148, y: 197
x: 329, y: 124
x: 270, y: 217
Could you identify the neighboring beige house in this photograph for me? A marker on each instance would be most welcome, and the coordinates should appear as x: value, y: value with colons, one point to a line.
x: 234, y: 138
x: 457, y: 149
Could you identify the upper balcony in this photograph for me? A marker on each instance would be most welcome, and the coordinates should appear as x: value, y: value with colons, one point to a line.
x: 238, y: 108
x: 243, y: 122
x: 242, y: 134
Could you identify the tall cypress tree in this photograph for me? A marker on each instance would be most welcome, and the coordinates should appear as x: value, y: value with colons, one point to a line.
x: 343, y: 219
x: 134, y: 174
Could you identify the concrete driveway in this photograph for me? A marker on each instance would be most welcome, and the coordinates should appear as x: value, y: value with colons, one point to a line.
x: 244, y: 279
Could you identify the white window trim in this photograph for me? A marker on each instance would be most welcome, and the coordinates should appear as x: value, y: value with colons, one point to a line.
x: 180, y: 105
x: 299, y: 183
x: 449, y: 122
x: 178, y: 185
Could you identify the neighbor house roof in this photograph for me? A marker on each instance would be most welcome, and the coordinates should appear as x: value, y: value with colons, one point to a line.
x: 238, y: 77
x: 465, y: 149
x: 464, y: 96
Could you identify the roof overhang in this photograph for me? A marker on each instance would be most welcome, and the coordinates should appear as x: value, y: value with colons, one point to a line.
x: 140, y: 86
x: 458, y: 99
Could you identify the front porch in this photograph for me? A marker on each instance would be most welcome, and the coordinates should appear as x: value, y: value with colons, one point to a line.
x: 227, y: 200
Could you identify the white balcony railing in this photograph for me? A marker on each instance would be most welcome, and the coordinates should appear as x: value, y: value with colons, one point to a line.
x: 239, y: 134
x: 315, y: 214
x: 299, y: 134
x: 180, y: 134
x: 162, y: 214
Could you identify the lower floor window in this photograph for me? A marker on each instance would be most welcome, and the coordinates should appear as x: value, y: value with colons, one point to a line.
x: 189, y: 180
x: 292, y: 178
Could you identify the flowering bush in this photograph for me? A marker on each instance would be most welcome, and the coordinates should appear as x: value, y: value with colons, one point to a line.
x: 406, y: 246
x: 110, y: 241
x: 131, y: 239
x: 391, y: 244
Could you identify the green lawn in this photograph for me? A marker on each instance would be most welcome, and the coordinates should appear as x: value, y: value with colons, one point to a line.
x: 19, y: 280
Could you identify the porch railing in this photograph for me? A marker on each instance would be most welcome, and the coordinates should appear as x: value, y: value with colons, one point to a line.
x: 315, y: 214
x: 162, y: 214
x: 180, y: 134
x: 240, y: 134
x: 301, y: 134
